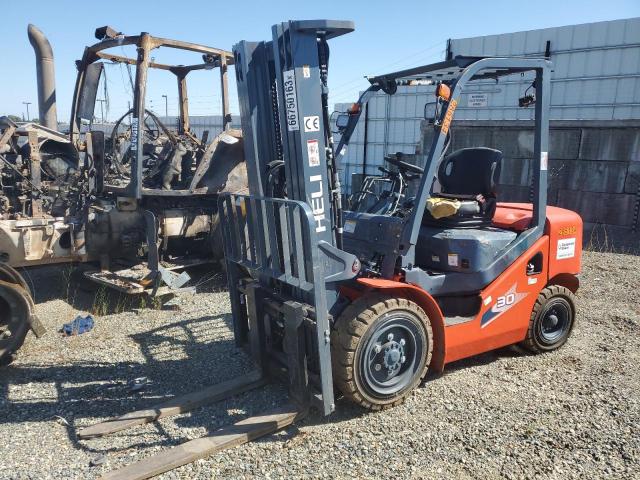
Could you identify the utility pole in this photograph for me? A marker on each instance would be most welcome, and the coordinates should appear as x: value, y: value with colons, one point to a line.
x: 166, y: 108
x: 101, y: 108
x: 27, y: 104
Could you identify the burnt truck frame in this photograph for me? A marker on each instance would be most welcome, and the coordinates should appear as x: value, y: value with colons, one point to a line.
x: 86, y: 89
x: 143, y: 212
x: 119, y: 222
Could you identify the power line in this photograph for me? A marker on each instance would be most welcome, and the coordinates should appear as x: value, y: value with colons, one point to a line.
x: 349, y: 93
x: 383, y: 68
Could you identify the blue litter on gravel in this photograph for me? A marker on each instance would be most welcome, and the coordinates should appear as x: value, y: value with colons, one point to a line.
x: 79, y: 326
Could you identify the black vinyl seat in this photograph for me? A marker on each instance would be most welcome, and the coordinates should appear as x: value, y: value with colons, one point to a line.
x: 469, y: 175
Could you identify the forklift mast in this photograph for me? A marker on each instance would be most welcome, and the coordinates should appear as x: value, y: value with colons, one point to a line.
x: 288, y: 241
x: 283, y: 95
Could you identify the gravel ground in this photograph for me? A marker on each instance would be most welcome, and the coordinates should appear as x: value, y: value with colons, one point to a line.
x: 574, y: 413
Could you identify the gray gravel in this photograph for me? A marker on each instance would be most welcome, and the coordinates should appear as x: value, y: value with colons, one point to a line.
x: 571, y: 414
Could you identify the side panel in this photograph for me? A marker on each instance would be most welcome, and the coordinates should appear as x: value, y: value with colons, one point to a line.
x: 506, y: 306
x: 565, y: 241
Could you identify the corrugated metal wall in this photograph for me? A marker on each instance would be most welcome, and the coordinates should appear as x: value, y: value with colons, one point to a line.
x: 596, y: 71
x: 596, y: 77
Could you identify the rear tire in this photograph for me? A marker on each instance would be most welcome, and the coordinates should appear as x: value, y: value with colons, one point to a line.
x: 381, y: 350
x: 551, y: 321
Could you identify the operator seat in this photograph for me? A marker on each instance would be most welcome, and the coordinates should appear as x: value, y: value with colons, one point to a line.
x: 470, y: 176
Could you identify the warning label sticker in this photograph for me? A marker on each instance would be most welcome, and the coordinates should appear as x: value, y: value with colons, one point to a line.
x: 313, y: 151
x: 566, y: 248
x: 290, y: 100
x: 544, y: 160
x: 477, y: 100
x: 350, y: 226
x: 453, y: 259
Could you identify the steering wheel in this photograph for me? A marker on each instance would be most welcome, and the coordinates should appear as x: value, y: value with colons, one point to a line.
x: 402, y: 165
x: 121, y: 158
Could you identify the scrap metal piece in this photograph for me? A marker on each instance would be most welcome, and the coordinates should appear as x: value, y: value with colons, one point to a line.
x: 172, y: 279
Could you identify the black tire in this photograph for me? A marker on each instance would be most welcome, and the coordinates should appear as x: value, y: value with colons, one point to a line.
x: 11, y: 275
x: 15, y: 310
x: 359, y: 357
x: 551, y: 321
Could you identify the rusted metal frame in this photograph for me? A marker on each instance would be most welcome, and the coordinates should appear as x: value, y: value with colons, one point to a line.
x: 6, y: 136
x: 131, y: 61
x: 161, y: 66
x: 172, y: 193
x: 34, y: 167
x: 156, y: 42
x: 89, y: 163
x: 139, y: 113
x: 74, y: 128
x: 183, y: 100
x: 224, y: 92
x: 116, y: 42
x: 194, y: 47
x: 97, y: 157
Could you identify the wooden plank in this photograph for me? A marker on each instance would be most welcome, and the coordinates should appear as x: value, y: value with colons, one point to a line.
x: 176, y: 405
x: 229, y: 436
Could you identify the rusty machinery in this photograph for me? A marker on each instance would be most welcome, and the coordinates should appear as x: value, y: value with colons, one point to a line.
x: 139, y: 198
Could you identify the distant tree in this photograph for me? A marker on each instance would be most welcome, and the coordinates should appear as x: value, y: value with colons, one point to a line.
x: 14, y: 118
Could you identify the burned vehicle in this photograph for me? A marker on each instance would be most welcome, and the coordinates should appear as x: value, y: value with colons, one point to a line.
x: 137, y: 197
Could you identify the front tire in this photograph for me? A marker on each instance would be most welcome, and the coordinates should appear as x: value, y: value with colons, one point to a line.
x: 381, y: 350
x: 551, y: 321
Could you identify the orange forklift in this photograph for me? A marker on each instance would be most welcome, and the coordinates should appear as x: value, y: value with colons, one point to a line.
x: 370, y: 302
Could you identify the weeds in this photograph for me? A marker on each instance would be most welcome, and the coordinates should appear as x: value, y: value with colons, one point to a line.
x: 100, y: 304
x: 601, y: 241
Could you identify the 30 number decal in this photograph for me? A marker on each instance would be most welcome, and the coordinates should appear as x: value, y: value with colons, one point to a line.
x: 505, y: 300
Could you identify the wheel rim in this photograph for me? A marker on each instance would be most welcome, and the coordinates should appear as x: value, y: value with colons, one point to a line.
x: 392, y: 355
x: 555, y: 322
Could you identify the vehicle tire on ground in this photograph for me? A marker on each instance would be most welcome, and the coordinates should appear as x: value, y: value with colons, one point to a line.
x: 381, y: 350
x: 551, y: 321
x: 11, y: 275
x: 15, y: 312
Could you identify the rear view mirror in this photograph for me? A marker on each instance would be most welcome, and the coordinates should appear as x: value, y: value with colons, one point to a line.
x: 342, y: 120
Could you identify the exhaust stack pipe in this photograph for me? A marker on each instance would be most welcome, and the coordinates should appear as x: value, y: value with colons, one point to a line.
x: 46, y: 77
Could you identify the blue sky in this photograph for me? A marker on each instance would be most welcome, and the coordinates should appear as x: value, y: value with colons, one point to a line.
x: 388, y: 36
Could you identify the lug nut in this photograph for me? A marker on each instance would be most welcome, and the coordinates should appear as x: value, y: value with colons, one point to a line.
x: 390, y: 337
x: 403, y: 359
x: 377, y: 367
x: 402, y: 342
x: 377, y: 348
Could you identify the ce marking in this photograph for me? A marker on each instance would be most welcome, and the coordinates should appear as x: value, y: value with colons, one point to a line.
x: 312, y: 123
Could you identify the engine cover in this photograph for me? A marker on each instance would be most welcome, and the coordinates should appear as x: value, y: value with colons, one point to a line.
x: 460, y: 250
